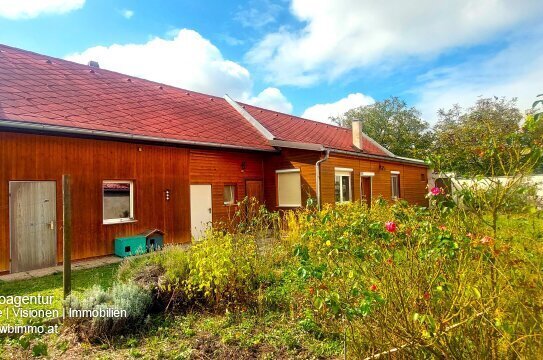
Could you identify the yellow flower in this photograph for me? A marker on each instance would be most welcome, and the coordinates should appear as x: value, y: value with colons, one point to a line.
x: 328, y: 243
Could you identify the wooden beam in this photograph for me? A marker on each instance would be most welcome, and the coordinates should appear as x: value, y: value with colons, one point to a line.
x: 67, y: 233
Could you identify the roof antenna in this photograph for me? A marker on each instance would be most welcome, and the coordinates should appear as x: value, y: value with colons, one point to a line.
x: 94, y: 64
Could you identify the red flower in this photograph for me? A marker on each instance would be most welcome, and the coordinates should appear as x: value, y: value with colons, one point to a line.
x: 426, y: 296
x: 390, y: 226
x: 373, y: 287
x: 442, y: 227
x: 389, y: 261
x: 435, y: 191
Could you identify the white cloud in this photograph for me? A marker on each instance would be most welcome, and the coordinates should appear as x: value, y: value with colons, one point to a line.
x: 187, y: 60
x: 28, y: 9
x: 322, y: 112
x: 127, y: 13
x: 341, y: 35
x: 515, y: 71
x: 271, y: 98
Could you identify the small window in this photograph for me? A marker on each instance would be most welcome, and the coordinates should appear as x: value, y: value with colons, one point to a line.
x: 343, y: 186
x: 118, y: 197
x: 395, y: 185
x: 423, y: 177
x: 229, y: 194
x: 289, y: 188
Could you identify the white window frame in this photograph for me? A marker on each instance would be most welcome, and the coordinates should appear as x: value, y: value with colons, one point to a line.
x: 286, y: 171
x: 395, y: 174
x: 343, y: 172
x: 129, y: 219
x: 233, y: 202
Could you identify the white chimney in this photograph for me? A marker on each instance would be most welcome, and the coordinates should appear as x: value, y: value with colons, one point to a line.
x: 357, y: 134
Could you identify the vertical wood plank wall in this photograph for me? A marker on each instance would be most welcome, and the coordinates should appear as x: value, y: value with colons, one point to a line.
x: 154, y: 169
x: 220, y: 168
x: 290, y: 159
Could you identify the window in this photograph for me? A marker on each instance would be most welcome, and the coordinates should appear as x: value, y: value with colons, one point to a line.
x: 343, y: 185
x: 229, y: 194
x: 289, y: 188
x: 118, y: 197
x: 395, y: 184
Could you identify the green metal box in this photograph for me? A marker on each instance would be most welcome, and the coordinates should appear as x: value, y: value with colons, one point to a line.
x: 131, y: 245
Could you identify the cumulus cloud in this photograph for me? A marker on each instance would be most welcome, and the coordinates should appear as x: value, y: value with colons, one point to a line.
x: 271, y: 98
x: 341, y: 35
x: 322, y: 112
x: 28, y: 9
x: 515, y: 71
x: 187, y: 60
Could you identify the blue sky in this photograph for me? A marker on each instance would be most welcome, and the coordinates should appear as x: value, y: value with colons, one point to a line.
x: 311, y: 58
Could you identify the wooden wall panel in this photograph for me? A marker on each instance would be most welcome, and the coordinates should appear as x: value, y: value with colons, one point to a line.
x: 154, y: 169
x: 412, y: 187
x: 291, y: 159
x: 220, y: 168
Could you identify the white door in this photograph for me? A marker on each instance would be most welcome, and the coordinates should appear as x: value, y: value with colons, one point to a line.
x: 200, y: 209
x: 33, y: 228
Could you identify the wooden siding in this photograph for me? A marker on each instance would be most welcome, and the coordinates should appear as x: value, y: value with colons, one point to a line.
x: 153, y: 169
x: 291, y: 159
x: 220, y: 168
x: 412, y: 187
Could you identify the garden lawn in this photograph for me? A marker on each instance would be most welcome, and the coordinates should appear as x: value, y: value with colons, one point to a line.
x: 51, y: 285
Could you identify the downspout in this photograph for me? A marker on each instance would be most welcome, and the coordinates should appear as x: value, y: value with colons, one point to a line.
x: 318, y: 176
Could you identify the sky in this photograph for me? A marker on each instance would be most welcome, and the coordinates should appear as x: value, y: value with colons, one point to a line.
x: 312, y: 58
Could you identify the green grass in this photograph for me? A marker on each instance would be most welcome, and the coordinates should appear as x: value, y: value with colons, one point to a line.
x: 51, y: 285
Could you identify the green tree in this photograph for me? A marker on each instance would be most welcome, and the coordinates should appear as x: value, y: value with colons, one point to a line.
x: 489, y: 139
x: 392, y: 124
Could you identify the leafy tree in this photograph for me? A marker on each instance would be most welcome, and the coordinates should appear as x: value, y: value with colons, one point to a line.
x: 392, y: 124
x: 492, y: 138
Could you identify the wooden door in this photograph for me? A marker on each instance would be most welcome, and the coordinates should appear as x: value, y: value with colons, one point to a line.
x: 254, y: 189
x: 366, y: 189
x: 200, y: 210
x: 33, y: 225
x: 255, y: 193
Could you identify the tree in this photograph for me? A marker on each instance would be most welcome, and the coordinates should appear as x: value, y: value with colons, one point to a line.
x: 392, y: 124
x: 488, y: 139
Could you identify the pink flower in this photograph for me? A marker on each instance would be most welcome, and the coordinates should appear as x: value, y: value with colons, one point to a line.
x: 390, y: 226
x: 487, y: 240
x: 435, y: 191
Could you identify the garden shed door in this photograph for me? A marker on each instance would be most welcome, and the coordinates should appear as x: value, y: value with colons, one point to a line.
x: 33, y: 229
x: 200, y: 210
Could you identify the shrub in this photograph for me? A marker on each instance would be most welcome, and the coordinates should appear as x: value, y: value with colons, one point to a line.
x: 130, y: 298
x: 409, y: 278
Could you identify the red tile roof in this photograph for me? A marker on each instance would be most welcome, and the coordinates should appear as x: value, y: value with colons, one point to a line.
x: 296, y: 129
x: 40, y: 89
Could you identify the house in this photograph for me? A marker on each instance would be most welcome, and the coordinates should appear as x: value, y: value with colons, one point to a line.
x: 146, y: 155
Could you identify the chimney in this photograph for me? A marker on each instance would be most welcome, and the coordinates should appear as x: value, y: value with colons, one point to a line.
x: 94, y: 64
x: 357, y: 134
